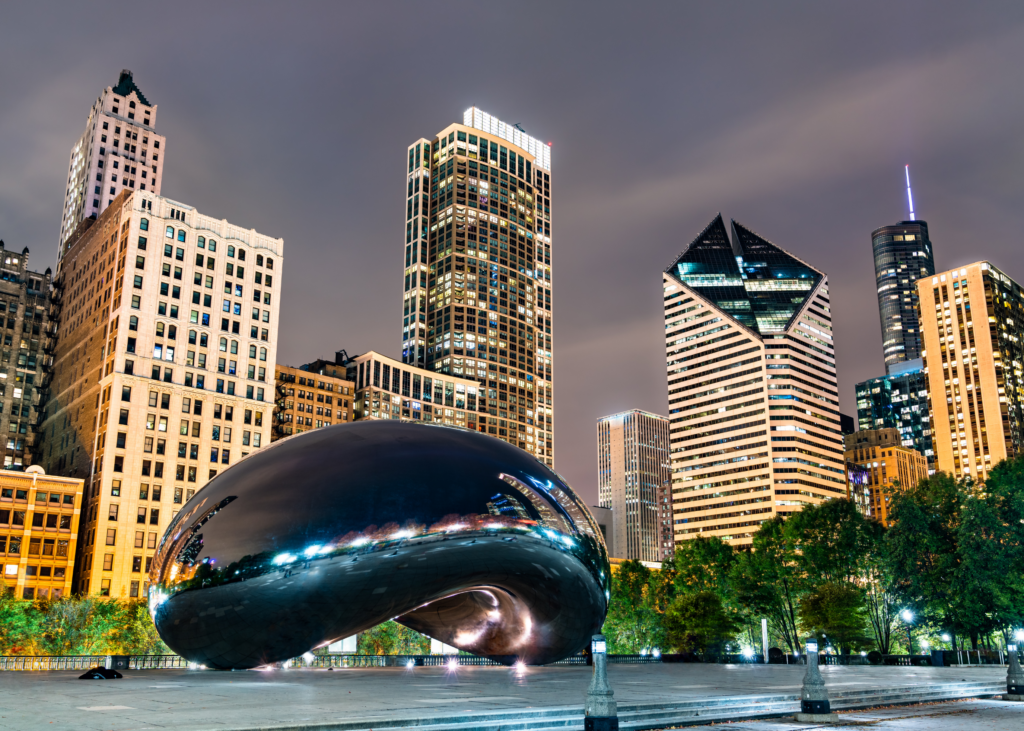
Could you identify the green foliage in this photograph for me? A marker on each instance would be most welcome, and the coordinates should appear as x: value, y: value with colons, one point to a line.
x: 19, y: 625
x: 77, y: 626
x: 392, y: 638
x: 769, y: 580
x: 704, y: 564
x: 698, y: 622
x: 835, y: 610
x: 831, y: 539
x: 639, y: 596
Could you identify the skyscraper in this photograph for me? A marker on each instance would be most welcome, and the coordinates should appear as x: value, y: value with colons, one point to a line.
x: 477, y: 294
x: 973, y: 324
x: 753, y: 398
x: 119, y: 149
x: 899, y: 400
x: 26, y: 359
x: 633, y: 469
x: 163, y: 372
x: 903, y: 254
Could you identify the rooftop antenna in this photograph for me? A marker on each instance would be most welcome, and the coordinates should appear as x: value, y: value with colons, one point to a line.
x: 910, y: 197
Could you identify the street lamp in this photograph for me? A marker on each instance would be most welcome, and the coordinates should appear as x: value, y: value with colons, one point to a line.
x: 908, y: 617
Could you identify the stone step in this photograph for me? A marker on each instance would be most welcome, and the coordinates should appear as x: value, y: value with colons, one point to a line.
x: 642, y: 717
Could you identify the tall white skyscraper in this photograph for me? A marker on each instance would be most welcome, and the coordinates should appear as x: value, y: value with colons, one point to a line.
x: 752, y: 392
x: 119, y: 149
x: 633, y: 472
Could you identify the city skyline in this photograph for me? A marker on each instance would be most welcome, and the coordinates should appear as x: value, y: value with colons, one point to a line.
x: 622, y: 214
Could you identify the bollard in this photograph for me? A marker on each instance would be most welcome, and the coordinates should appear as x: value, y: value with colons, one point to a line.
x: 814, y: 706
x: 600, y: 711
x: 1014, y: 677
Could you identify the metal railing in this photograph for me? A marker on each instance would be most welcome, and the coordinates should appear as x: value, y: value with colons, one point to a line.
x: 176, y: 662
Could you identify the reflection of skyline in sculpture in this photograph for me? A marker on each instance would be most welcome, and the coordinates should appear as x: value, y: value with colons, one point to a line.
x: 455, y: 534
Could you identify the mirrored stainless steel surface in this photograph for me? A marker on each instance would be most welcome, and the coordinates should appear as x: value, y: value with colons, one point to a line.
x: 453, y: 533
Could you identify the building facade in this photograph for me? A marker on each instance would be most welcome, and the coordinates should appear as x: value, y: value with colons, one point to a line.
x: 309, y: 399
x: 753, y: 397
x: 858, y: 486
x: 973, y: 323
x: 899, y: 400
x: 163, y: 372
x: 903, y: 254
x: 389, y: 389
x: 119, y: 149
x: 887, y: 465
x: 477, y: 293
x: 38, y: 533
x: 26, y: 355
x: 633, y: 469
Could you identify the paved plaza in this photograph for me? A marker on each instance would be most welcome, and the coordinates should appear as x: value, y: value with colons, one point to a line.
x: 980, y: 715
x: 313, y: 698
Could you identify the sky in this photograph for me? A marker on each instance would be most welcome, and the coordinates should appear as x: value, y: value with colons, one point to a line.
x: 794, y: 118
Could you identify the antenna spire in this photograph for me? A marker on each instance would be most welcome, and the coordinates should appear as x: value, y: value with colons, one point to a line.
x: 910, y: 197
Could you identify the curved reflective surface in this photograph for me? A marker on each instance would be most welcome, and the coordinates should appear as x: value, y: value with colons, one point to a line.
x: 455, y: 534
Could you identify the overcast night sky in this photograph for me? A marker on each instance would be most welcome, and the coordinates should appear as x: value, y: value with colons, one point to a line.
x: 793, y: 118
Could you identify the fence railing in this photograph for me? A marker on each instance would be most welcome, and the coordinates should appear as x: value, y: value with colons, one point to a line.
x: 937, y: 658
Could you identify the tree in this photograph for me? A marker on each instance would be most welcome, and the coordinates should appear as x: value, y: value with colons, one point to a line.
x: 704, y: 564
x: 19, y: 625
x: 831, y: 539
x: 698, y: 622
x: 769, y: 582
x: 835, y: 610
x: 392, y: 638
x: 638, y: 597
x: 880, y: 598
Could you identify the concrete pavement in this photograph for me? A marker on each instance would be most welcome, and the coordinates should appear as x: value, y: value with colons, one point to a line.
x: 363, y: 698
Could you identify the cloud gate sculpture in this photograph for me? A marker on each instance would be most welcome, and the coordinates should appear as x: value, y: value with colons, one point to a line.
x: 322, y: 535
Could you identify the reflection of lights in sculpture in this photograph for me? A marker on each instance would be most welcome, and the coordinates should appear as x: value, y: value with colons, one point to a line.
x: 316, y: 537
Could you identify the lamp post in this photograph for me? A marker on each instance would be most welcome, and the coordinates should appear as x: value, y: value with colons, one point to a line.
x: 600, y: 711
x: 1014, y: 674
x: 814, y: 705
x: 908, y: 617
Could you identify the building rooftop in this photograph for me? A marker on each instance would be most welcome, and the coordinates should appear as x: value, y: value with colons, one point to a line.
x: 126, y: 85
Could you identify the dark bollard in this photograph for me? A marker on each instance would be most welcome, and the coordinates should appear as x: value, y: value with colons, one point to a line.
x: 814, y: 705
x: 600, y: 712
x: 1014, y: 677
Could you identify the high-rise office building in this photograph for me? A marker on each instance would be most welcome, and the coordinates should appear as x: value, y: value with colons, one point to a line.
x: 163, y: 373
x: 27, y: 354
x: 310, y: 397
x: 903, y: 254
x: 477, y: 295
x: 886, y: 463
x: 973, y: 324
x: 119, y: 149
x: 899, y: 400
x: 632, y: 470
x: 753, y: 398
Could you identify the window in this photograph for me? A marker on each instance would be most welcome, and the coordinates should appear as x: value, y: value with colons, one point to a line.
x: 143, y: 222
x: 181, y: 235
x: 141, y: 517
x: 170, y: 232
x: 154, y: 516
x: 111, y: 540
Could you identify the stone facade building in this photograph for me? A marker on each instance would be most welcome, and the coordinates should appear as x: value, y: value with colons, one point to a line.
x: 310, y: 397
x: 163, y: 372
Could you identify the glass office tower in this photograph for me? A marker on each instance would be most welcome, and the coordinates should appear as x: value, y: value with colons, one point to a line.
x: 477, y: 295
x: 903, y: 254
